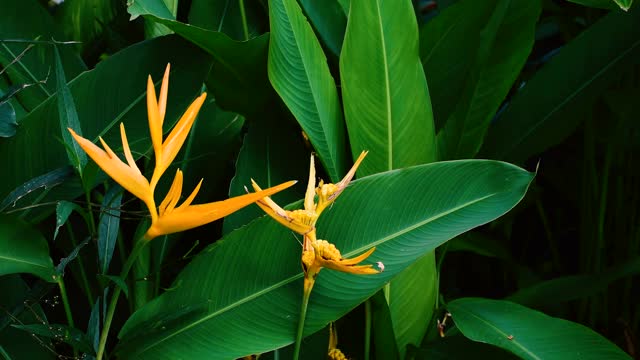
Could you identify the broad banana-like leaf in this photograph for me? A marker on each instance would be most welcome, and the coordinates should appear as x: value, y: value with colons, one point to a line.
x: 528, y: 333
x: 299, y: 72
x: 242, y: 294
x: 386, y: 100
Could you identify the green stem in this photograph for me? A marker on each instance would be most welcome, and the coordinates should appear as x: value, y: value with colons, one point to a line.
x: 67, y: 307
x: 367, y: 328
x: 83, y: 273
x: 65, y: 301
x: 243, y: 15
x: 92, y: 223
x: 303, y: 315
x: 116, y: 294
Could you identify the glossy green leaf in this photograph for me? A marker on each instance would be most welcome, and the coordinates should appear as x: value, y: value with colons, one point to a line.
x: 501, y: 47
x: 241, y: 20
x: 380, y: 70
x: 272, y: 153
x: 579, y: 77
x: 412, y: 301
x: 528, y: 333
x: 112, y: 93
x: 567, y: 288
x: 386, y: 100
x: 382, y: 332
x: 63, y: 211
x: 238, y: 78
x: 29, y: 20
x: 448, y: 44
x: 108, y: 226
x: 329, y: 20
x: 23, y: 250
x: 299, y: 73
x: 68, y: 118
x: 93, y: 326
x: 258, y: 310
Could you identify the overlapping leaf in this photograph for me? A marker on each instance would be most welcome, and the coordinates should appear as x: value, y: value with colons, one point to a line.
x: 529, y: 333
x: 213, y: 317
x: 299, y: 72
x: 386, y: 100
x: 580, y: 72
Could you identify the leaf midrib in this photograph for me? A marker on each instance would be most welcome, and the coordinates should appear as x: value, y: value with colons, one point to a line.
x: 387, y: 89
x: 300, y: 275
x: 18, y: 260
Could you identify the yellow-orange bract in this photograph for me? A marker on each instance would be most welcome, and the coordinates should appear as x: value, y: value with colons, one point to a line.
x: 317, y: 254
x: 168, y: 218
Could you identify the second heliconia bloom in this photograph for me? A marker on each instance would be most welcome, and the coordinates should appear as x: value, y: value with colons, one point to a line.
x: 318, y: 254
x: 167, y: 218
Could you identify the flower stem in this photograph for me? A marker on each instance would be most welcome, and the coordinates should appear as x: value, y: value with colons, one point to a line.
x: 67, y: 307
x: 367, y: 328
x: 116, y: 294
x: 308, y: 286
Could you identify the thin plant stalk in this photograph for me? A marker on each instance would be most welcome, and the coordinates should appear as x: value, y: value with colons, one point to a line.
x: 367, y: 329
x: 67, y: 307
x: 308, y: 286
x: 83, y: 273
x: 114, y: 298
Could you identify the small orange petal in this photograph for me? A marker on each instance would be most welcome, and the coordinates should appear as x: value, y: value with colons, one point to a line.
x: 358, y: 258
x: 164, y: 91
x: 173, y: 195
x: 189, y: 200
x: 155, y: 122
x: 347, y: 178
x: 127, y: 150
x: 309, y: 196
x: 176, y: 138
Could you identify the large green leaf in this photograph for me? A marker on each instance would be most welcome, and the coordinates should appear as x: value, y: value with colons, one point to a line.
x: 542, y: 115
x: 567, y: 288
x: 412, y: 301
x: 501, y: 48
x: 386, y: 100
x: 28, y: 20
x: 249, y: 300
x: 241, y: 20
x: 299, y: 72
x: 113, y: 92
x: 23, y: 250
x: 239, y: 78
x: 389, y: 113
x: 528, y: 333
